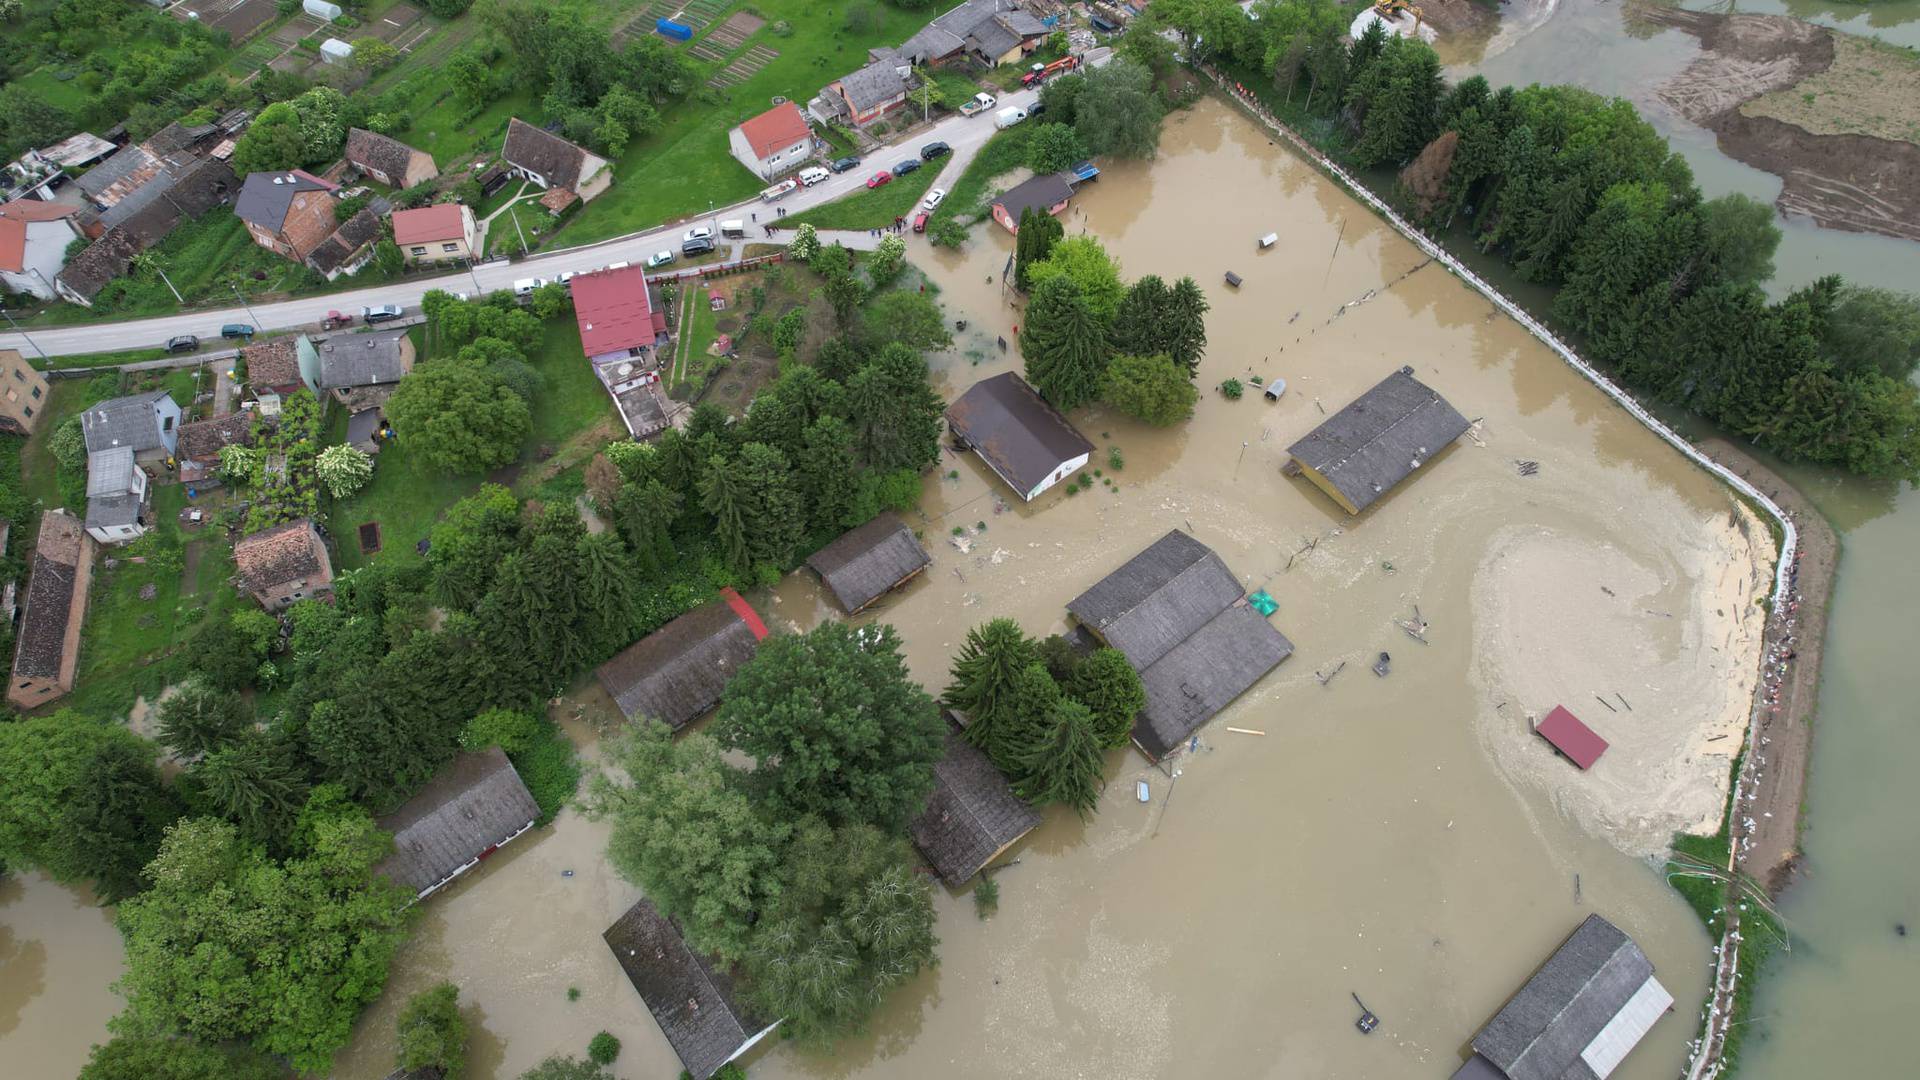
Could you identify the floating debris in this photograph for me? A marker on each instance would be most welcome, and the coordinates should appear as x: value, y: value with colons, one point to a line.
x: 1140, y: 790
x: 1383, y: 665
x: 1527, y: 468
x: 1367, y: 1021
x: 1328, y: 677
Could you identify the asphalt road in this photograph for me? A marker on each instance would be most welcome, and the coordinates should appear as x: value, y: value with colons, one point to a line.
x: 965, y: 134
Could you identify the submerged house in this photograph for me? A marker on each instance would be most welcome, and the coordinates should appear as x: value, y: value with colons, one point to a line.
x: 1048, y: 193
x: 1359, y: 453
x: 691, y: 997
x: 46, y: 651
x: 677, y: 673
x: 1576, y: 741
x: 1578, y: 1017
x: 467, y: 812
x: 868, y: 562
x: 1180, y: 617
x: 972, y: 816
x: 1024, y: 440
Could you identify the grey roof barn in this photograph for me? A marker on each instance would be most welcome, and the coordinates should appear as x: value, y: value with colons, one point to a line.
x: 678, y: 672
x: 971, y: 816
x: 1178, y: 615
x: 1359, y: 453
x: 473, y: 806
x: 1021, y: 438
x: 1580, y: 1014
x: 868, y: 562
x: 691, y: 996
x: 46, y: 649
x: 876, y: 84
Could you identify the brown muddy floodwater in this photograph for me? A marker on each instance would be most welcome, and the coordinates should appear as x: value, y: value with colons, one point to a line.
x: 1402, y: 837
x: 59, y: 954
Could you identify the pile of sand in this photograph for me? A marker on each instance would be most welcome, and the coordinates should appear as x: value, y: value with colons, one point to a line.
x: 1666, y: 639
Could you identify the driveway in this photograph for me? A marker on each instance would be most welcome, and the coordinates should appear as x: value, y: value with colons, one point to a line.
x: 965, y: 134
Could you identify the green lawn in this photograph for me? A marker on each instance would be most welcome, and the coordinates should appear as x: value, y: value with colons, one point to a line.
x: 681, y: 168
x: 872, y: 208
x: 967, y: 199
x: 406, y: 496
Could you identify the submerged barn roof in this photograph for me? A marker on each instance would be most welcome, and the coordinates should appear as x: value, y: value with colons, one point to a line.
x: 1042, y: 193
x: 1022, y: 437
x: 1175, y: 610
x: 1384, y: 434
x: 678, y: 672
x: 866, y: 562
x: 971, y: 816
x: 474, y: 805
x: 690, y: 996
x: 1580, y: 1013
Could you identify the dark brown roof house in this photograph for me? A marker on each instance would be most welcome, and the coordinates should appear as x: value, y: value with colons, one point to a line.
x: 46, y: 652
x: 283, y: 564
x: 274, y: 366
x: 553, y: 162
x: 1359, y: 453
x: 389, y: 161
x: 348, y: 248
x: 691, y: 997
x: 868, y: 562
x: 200, y: 444
x: 1024, y: 440
x: 972, y: 816
x: 1579, y: 1016
x: 466, y: 813
x: 678, y: 672
x: 1180, y: 617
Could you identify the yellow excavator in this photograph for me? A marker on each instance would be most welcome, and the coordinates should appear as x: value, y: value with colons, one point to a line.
x: 1391, y: 10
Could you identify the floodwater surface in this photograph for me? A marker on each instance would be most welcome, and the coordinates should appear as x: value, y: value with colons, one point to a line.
x: 59, y: 956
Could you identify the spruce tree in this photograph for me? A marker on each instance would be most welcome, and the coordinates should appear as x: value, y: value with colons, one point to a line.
x: 1139, y: 327
x: 200, y: 718
x: 775, y: 520
x: 1025, y: 723
x: 1064, y: 344
x: 646, y: 513
x: 1186, y: 325
x: 1065, y: 765
x: 254, y: 784
x: 723, y: 495
x: 984, y: 676
x: 827, y: 475
x: 1111, y: 690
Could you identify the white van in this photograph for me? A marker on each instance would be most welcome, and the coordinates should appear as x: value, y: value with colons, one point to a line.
x: 526, y: 285
x: 813, y: 175
x: 1008, y: 117
x: 735, y: 228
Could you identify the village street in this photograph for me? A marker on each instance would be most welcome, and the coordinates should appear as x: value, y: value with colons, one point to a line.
x: 965, y: 134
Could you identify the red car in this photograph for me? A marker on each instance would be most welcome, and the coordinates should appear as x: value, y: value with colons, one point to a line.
x: 920, y: 221
x: 881, y: 177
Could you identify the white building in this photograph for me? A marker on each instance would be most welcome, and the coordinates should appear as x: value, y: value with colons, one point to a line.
x: 116, y: 496
x: 774, y: 142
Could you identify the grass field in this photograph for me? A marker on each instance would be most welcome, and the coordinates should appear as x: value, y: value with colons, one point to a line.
x: 679, y: 169
x: 872, y: 208
x: 1006, y: 151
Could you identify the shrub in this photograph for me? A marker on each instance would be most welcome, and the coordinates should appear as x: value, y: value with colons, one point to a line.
x: 603, y: 1049
x: 1232, y: 389
x: 986, y: 897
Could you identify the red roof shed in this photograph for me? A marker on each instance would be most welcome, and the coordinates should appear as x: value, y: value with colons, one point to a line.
x: 1582, y: 745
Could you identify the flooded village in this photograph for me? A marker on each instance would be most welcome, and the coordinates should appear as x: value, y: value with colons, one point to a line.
x: 1375, y: 830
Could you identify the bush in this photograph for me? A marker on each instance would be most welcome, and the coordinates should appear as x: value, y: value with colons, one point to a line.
x: 69, y: 445
x: 986, y: 897
x: 1232, y: 389
x: 783, y: 28
x: 603, y: 1049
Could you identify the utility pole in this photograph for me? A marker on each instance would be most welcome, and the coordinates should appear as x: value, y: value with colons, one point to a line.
x: 244, y: 304
x: 518, y: 229
x: 23, y: 333
x: 176, y: 292
x: 477, y: 290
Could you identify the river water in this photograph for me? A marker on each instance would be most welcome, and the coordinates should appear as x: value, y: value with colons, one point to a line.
x: 1836, y: 1005
x: 1401, y: 838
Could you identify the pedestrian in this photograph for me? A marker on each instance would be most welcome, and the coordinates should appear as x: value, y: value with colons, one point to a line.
x: 755, y: 217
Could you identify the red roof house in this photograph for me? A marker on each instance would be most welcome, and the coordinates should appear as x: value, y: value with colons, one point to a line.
x: 616, y: 312
x: 773, y: 142
x: 1580, y: 743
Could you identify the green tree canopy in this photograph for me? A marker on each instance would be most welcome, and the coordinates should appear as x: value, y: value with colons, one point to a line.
x: 836, y: 726
x: 1064, y: 343
x: 985, y: 676
x: 199, y: 718
x: 1116, y: 110
x: 459, y: 418
x: 1111, y: 690
x: 433, y: 1034
x: 1149, y: 388
x: 910, y: 318
x: 1085, y: 261
x: 1064, y: 763
x: 161, y: 1057
x: 895, y: 413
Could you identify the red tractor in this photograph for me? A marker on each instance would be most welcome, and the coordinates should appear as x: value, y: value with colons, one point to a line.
x: 1043, y: 72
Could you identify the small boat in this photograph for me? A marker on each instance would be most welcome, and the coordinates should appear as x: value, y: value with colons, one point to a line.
x: 1140, y: 790
x: 1269, y: 240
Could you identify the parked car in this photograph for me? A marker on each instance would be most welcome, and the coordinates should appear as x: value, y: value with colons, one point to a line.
x: 734, y: 228
x: 933, y: 150
x: 1008, y: 117
x: 565, y: 276
x: 618, y: 265
x: 183, y: 343
x: 920, y: 221
x: 933, y: 198
x: 526, y: 285
x: 845, y: 164
x: 236, y: 330
x: 1036, y: 108
x: 698, y: 232
x: 981, y: 103
x: 906, y: 166
x: 659, y: 259
x: 813, y: 174
x: 383, y: 313
x: 699, y: 245
x: 879, y: 179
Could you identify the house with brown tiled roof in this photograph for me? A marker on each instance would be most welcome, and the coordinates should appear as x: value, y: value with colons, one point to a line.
x: 200, y: 444
x: 283, y: 564
x: 553, y: 162
x: 273, y: 367
x: 287, y: 212
x: 46, y: 652
x: 389, y: 161
x: 349, y: 248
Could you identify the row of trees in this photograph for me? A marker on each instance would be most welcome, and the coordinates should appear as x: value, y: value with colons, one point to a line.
x: 1044, y: 713
x: 1580, y: 194
x: 1088, y: 335
x: 797, y: 870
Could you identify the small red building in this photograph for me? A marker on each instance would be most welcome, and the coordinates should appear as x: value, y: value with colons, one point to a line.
x: 1580, y: 743
x: 1048, y: 193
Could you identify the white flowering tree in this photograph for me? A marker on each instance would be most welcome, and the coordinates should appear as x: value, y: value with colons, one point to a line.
x: 888, y: 258
x: 343, y: 469
x: 237, y: 464
x: 805, y: 243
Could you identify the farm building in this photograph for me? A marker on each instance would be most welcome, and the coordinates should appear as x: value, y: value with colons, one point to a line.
x: 1024, y: 440
x: 273, y: 367
x: 774, y: 142
x: 116, y: 496
x: 971, y: 816
x: 691, y: 996
x: 1359, y: 453
x: 1578, y: 1017
x: 986, y: 32
x: 347, y: 248
x: 864, y: 96
x: 46, y: 650
x: 474, y: 806
x: 677, y: 673
x: 552, y: 162
x: 389, y: 161
x: 866, y: 563
x: 148, y: 423
x: 1578, y: 742
x: 1180, y: 617
x: 283, y: 564
x: 1048, y: 194
x: 200, y: 444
